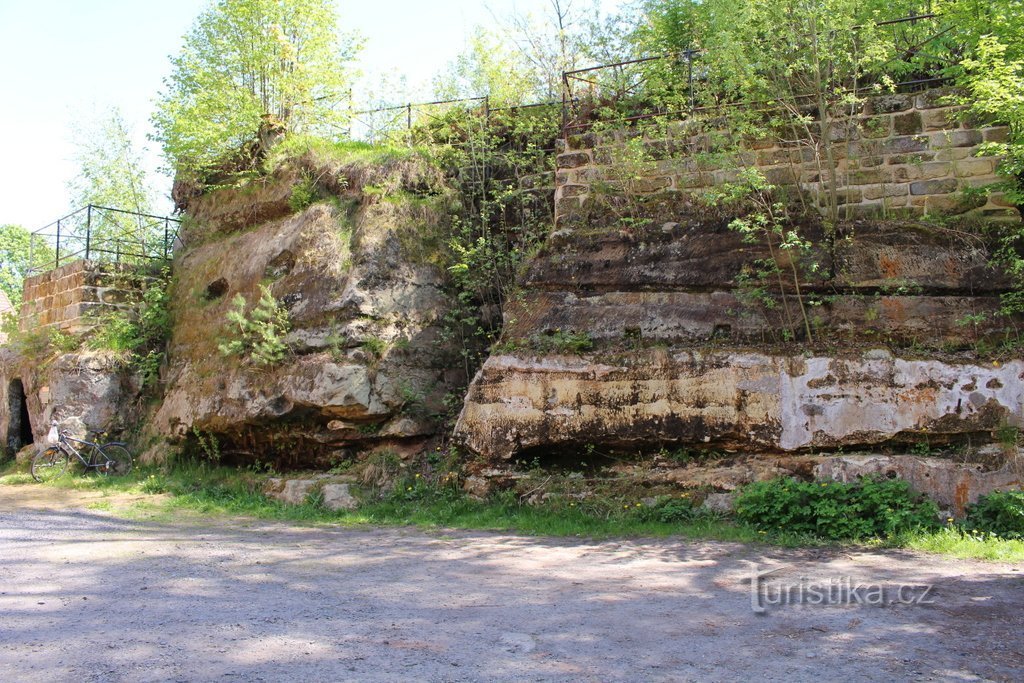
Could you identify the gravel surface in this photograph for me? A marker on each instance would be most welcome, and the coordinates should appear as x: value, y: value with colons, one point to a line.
x: 85, y: 596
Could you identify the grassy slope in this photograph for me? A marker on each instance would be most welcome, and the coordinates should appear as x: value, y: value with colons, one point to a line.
x: 204, y: 490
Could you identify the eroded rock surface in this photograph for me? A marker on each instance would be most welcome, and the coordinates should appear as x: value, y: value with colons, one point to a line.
x: 731, y: 399
x: 633, y: 338
x: 364, y: 286
x: 81, y: 392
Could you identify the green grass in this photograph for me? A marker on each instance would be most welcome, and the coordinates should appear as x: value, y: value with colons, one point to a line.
x: 200, y: 489
x: 965, y: 544
x: 346, y: 151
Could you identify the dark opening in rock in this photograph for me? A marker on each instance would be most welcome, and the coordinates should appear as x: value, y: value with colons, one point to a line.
x: 216, y: 289
x: 19, y: 430
x: 280, y: 265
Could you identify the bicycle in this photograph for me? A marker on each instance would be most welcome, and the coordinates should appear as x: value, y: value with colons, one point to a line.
x: 109, y: 458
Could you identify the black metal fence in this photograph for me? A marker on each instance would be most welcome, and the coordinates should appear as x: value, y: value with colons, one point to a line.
x: 103, y: 234
x: 396, y: 123
x: 620, y: 92
x: 620, y: 87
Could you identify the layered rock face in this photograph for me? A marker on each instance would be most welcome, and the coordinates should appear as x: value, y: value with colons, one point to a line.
x: 730, y: 399
x: 80, y: 392
x: 683, y: 352
x: 364, y: 287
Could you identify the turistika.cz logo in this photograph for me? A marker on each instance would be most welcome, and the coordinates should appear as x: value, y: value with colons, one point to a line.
x: 836, y: 591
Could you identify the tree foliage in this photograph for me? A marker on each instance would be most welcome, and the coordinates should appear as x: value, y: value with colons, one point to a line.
x: 111, y: 174
x: 15, y: 259
x: 247, y: 64
x: 110, y: 168
x: 523, y: 59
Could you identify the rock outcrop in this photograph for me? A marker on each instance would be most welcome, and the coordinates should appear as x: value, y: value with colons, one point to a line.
x: 633, y: 338
x: 81, y: 392
x: 361, y: 275
x: 749, y: 401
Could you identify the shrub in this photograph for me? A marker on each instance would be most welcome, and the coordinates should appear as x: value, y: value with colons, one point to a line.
x: 1000, y: 513
x: 834, y: 510
x: 668, y: 510
x: 260, y: 334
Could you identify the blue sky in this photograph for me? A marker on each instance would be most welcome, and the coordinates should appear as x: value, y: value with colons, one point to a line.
x: 65, y: 60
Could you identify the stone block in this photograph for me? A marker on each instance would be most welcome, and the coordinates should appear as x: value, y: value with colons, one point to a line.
x: 573, y: 190
x: 649, y: 185
x: 929, y: 187
x: 975, y: 167
x: 938, y: 119
x: 955, y: 153
x: 888, y: 104
x: 871, y: 176
x: 907, y: 124
x: 886, y: 190
x: 933, y: 99
x: 573, y: 159
x: 903, y: 145
x: 339, y: 497
x: 912, y: 158
x: 955, y: 138
x: 876, y: 127
x: 781, y: 175
x: 771, y: 157
x: 996, y: 134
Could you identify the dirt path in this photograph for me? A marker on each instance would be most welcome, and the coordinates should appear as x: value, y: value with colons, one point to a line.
x: 85, y: 596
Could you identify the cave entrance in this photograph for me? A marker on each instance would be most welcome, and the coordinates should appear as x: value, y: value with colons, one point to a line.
x: 19, y: 430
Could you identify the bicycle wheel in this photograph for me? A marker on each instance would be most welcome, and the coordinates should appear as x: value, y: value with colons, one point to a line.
x: 49, y: 464
x: 119, y: 459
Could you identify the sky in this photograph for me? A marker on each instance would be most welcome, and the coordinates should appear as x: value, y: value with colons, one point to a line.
x: 65, y: 62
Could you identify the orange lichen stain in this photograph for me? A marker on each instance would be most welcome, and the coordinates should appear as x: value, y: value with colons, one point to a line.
x: 894, y: 309
x: 889, y: 266
x: 961, y: 496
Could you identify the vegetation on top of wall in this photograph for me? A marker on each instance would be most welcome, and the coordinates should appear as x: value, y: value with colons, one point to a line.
x: 250, y: 69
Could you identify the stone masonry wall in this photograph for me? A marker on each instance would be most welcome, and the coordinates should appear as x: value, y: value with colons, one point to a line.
x: 64, y: 297
x: 903, y: 155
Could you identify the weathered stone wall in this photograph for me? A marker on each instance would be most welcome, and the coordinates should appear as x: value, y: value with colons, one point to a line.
x: 64, y: 298
x: 902, y: 155
x: 81, y: 392
x: 364, y: 283
x: 642, y: 323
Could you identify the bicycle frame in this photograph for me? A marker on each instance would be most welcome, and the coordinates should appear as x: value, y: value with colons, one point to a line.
x: 64, y: 443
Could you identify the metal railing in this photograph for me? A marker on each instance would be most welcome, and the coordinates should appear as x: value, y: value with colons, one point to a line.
x: 103, y: 234
x: 623, y: 88
x: 383, y: 123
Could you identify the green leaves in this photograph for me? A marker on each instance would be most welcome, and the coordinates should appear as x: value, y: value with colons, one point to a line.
x: 866, y: 509
x: 14, y: 259
x: 247, y: 64
x: 1000, y: 513
x: 260, y: 333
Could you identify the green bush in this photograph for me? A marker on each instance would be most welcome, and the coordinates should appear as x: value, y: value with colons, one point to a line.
x: 668, y: 510
x: 1000, y: 513
x: 260, y: 334
x: 865, y: 509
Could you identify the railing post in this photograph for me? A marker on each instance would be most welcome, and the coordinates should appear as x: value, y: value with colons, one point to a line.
x: 88, y: 230
x: 56, y: 251
x: 167, y: 235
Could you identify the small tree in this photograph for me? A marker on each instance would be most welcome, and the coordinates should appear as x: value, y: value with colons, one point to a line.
x: 16, y: 260
x: 247, y: 65
x: 111, y: 174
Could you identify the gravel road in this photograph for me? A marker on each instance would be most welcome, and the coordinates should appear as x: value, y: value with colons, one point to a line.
x: 86, y: 596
